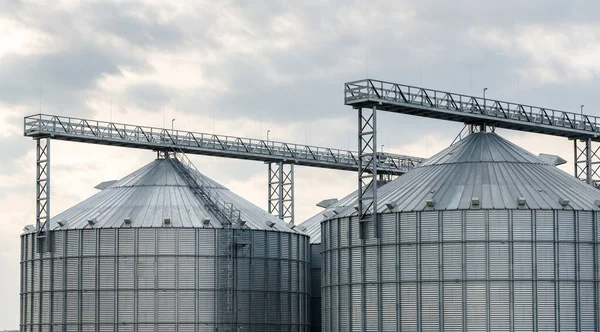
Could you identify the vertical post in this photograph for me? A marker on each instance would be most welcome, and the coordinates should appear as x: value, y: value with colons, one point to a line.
x: 291, y: 194
x: 575, y: 155
x: 367, y: 170
x: 280, y: 192
x: 588, y: 160
x: 280, y: 198
x: 271, y: 190
x: 42, y: 190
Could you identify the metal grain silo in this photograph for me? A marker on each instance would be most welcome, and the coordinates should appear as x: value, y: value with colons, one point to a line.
x: 484, y: 236
x: 149, y: 253
x: 312, y: 227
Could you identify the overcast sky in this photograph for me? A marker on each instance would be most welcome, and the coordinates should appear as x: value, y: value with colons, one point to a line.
x: 245, y: 67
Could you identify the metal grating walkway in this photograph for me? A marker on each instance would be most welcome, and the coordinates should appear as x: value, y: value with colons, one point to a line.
x: 406, y: 99
x: 141, y: 137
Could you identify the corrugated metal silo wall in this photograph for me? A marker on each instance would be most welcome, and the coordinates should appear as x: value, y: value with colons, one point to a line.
x: 315, y: 293
x: 476, y: 270
x: 164, y: 279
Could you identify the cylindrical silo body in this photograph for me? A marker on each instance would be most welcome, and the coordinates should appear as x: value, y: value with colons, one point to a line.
x: 187, y: 274
x: 312, y: 228
x: 483, y: 237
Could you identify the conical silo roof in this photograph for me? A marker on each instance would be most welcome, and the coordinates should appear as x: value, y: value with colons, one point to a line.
x: 313, y: 224
x: 156, y: 192
x: 485, y: 171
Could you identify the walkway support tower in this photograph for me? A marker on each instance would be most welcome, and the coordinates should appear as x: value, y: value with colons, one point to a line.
x: 42, y: 186
x: 281, y: 191
x: 586, y: 161
x: 367, y: 168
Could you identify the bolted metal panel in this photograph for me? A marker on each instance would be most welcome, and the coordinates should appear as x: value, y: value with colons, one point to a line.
x: 165, y: 279
x: 480, y: 270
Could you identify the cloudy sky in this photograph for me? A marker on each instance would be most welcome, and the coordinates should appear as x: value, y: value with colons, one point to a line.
x: 245, y: 67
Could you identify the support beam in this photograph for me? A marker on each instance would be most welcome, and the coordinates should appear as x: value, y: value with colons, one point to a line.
x: 42, y: 181
x: 586, y: 161
x: 42, y: 192
x: 281, y: 191
x: 367, y: 169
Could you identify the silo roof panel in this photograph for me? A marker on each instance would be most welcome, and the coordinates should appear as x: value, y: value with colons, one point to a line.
x: 154, y: 193
x: 489, y: 169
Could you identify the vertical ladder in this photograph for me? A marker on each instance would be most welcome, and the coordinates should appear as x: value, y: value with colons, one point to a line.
x: 229, y: 217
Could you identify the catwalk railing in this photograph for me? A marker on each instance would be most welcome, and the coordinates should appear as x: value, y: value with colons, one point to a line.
x: 143, y: 137
x: 400, y: 98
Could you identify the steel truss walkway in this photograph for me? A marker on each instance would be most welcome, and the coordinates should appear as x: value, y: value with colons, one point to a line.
x: 44, y: 127
x: 369, y: 96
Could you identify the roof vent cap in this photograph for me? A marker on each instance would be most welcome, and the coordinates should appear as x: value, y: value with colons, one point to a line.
x: 300, y: 228
x: 92, y: 221
x: 521, y: 200
x: 206, y: 221
x: 61, y: 223
x: 127, y: 221
x: 269, y: 223
x: 563, y: 201
x: 597, y: 202
x: 430, y: 202
x: 241, y: 222
x: 167, y: 221
x: 475, y: 201
x: 390, y: 206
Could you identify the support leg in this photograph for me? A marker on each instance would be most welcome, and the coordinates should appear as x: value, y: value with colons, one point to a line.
x: 281, y: 191
x: 367, y: 169
x: 42, y: 186
x: 586, y: 161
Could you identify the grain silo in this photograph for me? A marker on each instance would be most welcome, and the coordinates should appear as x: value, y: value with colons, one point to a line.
x: 484, y: 236
x: 157, y: 251
x: 312, y: 227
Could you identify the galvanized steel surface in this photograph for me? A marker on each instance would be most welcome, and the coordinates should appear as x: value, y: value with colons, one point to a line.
x: 483, y: 237
x: 153, y: 193
x: 164, y: 279
x: 491, y: 169
x: 471, y: 270
x: 313, y: 224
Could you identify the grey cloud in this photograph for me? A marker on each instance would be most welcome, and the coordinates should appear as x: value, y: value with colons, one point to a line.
x: 63, y: 77
x: 12, y: 148
x: 124, y: 21
x: 149, y: 96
